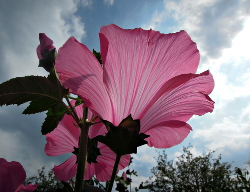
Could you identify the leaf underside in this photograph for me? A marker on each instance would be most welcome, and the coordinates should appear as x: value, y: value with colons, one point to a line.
x: 23, y: 89
x: 44, y: 94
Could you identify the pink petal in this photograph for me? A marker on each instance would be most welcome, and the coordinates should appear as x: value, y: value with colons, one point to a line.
x: 66, y: 170
x: 80, y: 71
x: 45, y: 44
x: 64, y: 138
x: 12, y: 175
x: 138, y: 62
x: 27, y: 188
x: 180, y: 102
x: 97, y: 129
x: 108, y: 156
x: 167, y: 134
x: 103, y: 169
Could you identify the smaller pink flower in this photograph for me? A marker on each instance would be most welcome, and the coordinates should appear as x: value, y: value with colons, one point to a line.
x: 45, y: 44
x: 12, y: 176
x: 64, y: 139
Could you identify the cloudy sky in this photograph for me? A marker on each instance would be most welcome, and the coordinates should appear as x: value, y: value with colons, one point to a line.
x: 220, y: 28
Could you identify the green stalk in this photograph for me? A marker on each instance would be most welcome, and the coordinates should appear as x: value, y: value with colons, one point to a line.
x: 73, y: 113
x: 117, y: 160
x: 81, y: 160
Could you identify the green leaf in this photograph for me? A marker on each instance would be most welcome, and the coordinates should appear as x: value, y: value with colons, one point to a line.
x: 43, y: 103
x: 39, y: 105
x: 52, y: 120
x: 98, y: 56
x: 23, y: 89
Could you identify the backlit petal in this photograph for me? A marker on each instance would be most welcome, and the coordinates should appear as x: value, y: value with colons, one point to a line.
x: 167, y: 134
x: 64, y: 138
x: 138, y: 62
x: 80, y: 71
x: 27, y: 188
x: 66, y: 170
x: 179, y: 103
x: 103, y: 169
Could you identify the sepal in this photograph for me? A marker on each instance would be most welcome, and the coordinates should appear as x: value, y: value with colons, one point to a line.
x: 124, y: 138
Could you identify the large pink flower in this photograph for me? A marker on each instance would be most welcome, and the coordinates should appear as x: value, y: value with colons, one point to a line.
x: 146, y: 74
x: 64, y: 139
x: 12, y: 176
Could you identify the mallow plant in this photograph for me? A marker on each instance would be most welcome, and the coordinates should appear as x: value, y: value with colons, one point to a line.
x: 141, y: 89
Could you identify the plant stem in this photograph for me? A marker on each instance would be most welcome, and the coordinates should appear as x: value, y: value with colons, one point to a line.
x: 82, y: 156
x: 73, y: 113
x: 117, y: 160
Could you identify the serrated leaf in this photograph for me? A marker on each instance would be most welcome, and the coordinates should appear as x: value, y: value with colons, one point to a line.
x: 23, y: 89
x: 43, y: 103
x: 40, y: 105
x: 51, y: 121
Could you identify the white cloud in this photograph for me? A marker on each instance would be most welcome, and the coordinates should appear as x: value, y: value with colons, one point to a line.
x: 109, y: 2
x: 230, y: 134
x: 12, y: 145
x: 76, y: 27
x: 87, y: 3
x: 156, y: 20
x: 240, y: 46
x: 145, y: 154
x: 211, y: 24
x: 10, y: 150
x: 196, y: 152
x: 136, y: 181
x: 232, y: 70
x: 20, y: 29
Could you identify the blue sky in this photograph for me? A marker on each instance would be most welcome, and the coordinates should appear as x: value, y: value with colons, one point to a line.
x: 220, y: 28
